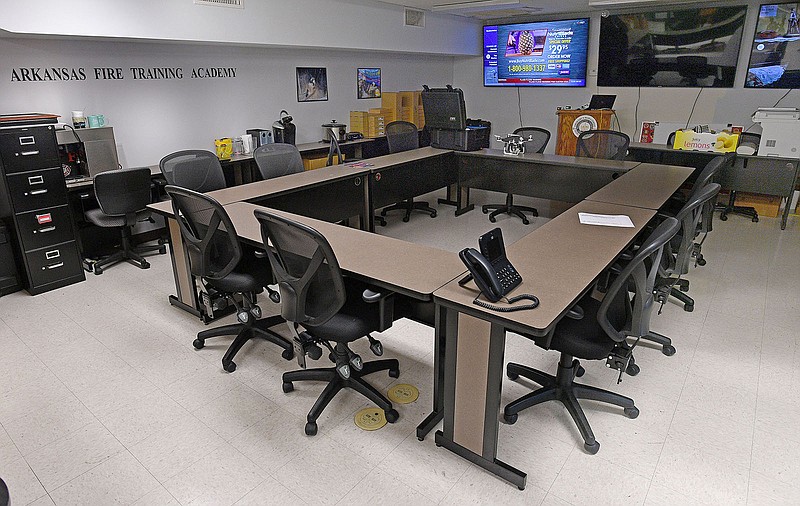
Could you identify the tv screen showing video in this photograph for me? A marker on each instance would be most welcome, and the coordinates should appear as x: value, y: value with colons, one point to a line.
x: 775, y: 57
x: 549, y: 53
x: 676, y: 47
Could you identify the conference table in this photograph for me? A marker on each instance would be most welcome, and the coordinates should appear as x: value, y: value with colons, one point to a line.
x: 767, y: 175
x: 557, y: 261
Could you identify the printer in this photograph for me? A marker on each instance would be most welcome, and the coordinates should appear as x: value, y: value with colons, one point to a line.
x: 780, y: 131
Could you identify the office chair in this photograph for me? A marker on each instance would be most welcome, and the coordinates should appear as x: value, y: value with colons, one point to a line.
x: 275, y: 160
x: 693, y: 68
x: 537, y: 139
x: 196, y: 170
x: 731, y: 207
x: 403, y: 136
x: 215, y: 256
x: 595, y: 330
x: 4, y: 497
x: 313, y: 295
x: 123, y: 196
x: 605, y: 144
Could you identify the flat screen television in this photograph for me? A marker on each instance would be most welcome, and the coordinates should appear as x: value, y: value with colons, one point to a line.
x: 545, y: 53
x: 671, y: 47
x: 775, y: 57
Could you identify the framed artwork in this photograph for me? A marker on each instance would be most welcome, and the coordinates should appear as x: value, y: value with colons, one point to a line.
x: 312, y: 84
x: 369, y: 83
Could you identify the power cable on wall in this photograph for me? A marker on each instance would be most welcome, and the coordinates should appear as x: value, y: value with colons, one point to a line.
x: 636, y: 111
x: 689, y: 119
x: 519, y: 106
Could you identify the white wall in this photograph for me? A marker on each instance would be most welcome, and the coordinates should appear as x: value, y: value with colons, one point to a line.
x: 153, y: 118
x: 670, y: 105
x: 336, y: 24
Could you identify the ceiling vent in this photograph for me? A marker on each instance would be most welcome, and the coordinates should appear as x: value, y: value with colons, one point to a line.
x: 415, y: 17
x: 603, y: 4
x: 489, y: 9
x: 236, y: 4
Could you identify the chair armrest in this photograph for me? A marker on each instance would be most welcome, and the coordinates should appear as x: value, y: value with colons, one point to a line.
x: 373, y: 296
x: 260, y: 254
x: 575, y: 312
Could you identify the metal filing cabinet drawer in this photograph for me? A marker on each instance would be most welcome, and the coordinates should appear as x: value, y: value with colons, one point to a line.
x: 44, y: 227
x: 29, y: 149
x: 37, y: 189
x: 53, y: 264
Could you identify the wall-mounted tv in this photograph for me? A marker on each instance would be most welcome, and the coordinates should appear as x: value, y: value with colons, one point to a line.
x: 546, y: 53
x: 775, y: 57
x: 671, y: 47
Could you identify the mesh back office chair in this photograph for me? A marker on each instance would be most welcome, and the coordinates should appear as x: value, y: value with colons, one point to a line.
x: 403, y: 136
x: 313, y: 295
x: 595, y: 330
x: 123, y: 196
x: 536, y: 140
x: 275, y: 160
x: 605, y: 144
x: 196, y: 170
x: 755, y: 139
x: 215, y: 256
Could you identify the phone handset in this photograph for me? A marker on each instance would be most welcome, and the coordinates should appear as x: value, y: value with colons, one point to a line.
x: 483, y: 273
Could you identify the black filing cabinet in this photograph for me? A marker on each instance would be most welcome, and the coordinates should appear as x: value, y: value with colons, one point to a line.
x: 33, y: 200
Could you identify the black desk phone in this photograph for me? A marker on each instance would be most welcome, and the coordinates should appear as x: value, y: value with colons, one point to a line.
x: 493, y: 273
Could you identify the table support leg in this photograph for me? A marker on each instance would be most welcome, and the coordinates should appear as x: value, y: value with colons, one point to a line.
x: 436, y: 415
x: 463, y: 201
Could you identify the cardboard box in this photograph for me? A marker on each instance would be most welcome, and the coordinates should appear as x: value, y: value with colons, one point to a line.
x: 318, y: 163
x: 358, y: 121
x: 765, y: 205
x: 390, y: 100
x: 693, y: 141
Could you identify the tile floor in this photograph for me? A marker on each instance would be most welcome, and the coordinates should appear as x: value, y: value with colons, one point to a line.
x: 103, y: 400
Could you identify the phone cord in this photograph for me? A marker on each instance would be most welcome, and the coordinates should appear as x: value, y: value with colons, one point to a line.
x: 508, y: 309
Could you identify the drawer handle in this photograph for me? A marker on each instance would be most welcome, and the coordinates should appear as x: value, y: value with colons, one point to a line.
x: 38, y: 192
x: 30, y: 153
x: 45, y: 229
x: 52, y: 254
x: 27, y: 141
x: 32, y: 180
x: 55, y: 266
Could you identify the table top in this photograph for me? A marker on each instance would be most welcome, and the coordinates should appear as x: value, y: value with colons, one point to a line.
x: 550, y: 159
x: 557, y: 262
x: 648, y: 186
x: 417, y: 272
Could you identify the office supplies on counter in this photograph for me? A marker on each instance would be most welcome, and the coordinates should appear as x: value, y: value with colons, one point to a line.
x: 78, y: 119
x: 224, y: 148
x: 260, y: 137
x: 329, y: 130
x: 284, y: 131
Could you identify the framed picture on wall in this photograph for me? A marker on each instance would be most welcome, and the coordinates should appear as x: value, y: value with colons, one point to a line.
x: 368, y: 82
x: 312, y: 84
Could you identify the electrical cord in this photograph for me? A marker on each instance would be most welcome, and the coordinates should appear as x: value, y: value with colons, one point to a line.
x: 510, y: 300
x: 74, y: 132
x: 689, y: 119
x: 519, y: 106
x: 636, y: 111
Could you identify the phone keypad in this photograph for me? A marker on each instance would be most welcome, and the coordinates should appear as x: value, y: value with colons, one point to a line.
x: 508, y: 277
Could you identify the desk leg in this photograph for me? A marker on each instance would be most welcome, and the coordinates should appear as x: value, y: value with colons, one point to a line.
x: 472, y: 384
x: 186, y: 297
x: 448, y: 200
x: 437, y: 413
x: 786, y: 210
x: 463, y: 205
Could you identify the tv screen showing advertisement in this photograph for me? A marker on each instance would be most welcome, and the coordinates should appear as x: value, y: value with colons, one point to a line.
x: 775, y: 57
x: 671, y: 47
x: 546, y: 53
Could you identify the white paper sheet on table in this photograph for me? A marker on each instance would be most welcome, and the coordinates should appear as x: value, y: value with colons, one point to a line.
x: 606, y: 220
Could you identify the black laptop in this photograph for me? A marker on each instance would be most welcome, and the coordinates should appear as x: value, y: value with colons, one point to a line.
x: 602, y: 102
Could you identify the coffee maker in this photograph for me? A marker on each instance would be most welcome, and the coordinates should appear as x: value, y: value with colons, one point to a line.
x: 283, y: 130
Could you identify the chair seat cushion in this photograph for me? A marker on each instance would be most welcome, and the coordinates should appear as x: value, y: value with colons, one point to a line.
x: 355, y: 320
x: 101, y: 219
x: 236, y: 282
x: 585, y: 338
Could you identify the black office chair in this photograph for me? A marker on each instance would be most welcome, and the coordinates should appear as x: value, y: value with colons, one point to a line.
x: 536, y: 140
x: 4, y: 496
x: 215, y: 256
x: 731, y: 207
x: 403, y: 136
x: 123, y: 196
x: 313, y: 295
x: 275, y: 160
x: 194, y: 169
x: 605, y: 144
x: 595, y: 330
x: 693, y: 68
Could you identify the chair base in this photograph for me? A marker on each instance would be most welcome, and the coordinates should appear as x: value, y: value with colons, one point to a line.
x: 563, y: 388
x: 510, y: 209
x: 336, y: 383
x: 742, y: 210
x: 408, y: 206
x: 128, y: 253
x: 665, y: 342
x: 244, y: 333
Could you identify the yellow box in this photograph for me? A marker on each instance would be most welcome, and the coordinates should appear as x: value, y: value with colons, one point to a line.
x: 390, y: 100
x: 224, y: 148
x: 407, y: 99
x: 318, y: 163
x: 718, y: 143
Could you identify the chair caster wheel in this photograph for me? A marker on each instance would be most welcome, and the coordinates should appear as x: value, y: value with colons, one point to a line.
x: 723, y: 217
x: 510, y: 419
x: 229, y: 367
x: 288, y: 386
x: 311, y: 429
x: 701, y: 261
x: 755, y: 219
x: 668, y: 350
x: 526, y: 222
x: 632, y: 412
x: 512, y: 376
x: 420, y: 439
x: 433, y: 215
x: 492, y: 219
x: 98, y: 270
x: 288, y: 354
x: 632, y: 370
x: 688, y: 308
x: 145, y: 265
x: 394, y: 373
x: 256, y: 312
x: 580, y: 372
x: 162, y: 251
x: 198, y: 344
x: 591, y: 449
x: 406, y: 218
x: 485, y: 211
x: 275, y: 297
x: 392, y: 415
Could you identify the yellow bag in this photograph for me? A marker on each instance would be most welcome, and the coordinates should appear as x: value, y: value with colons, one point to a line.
x: 224, y: 148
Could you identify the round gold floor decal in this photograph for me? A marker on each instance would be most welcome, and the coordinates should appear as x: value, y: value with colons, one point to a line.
x: 370, y: 418
x: 403, y: 393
